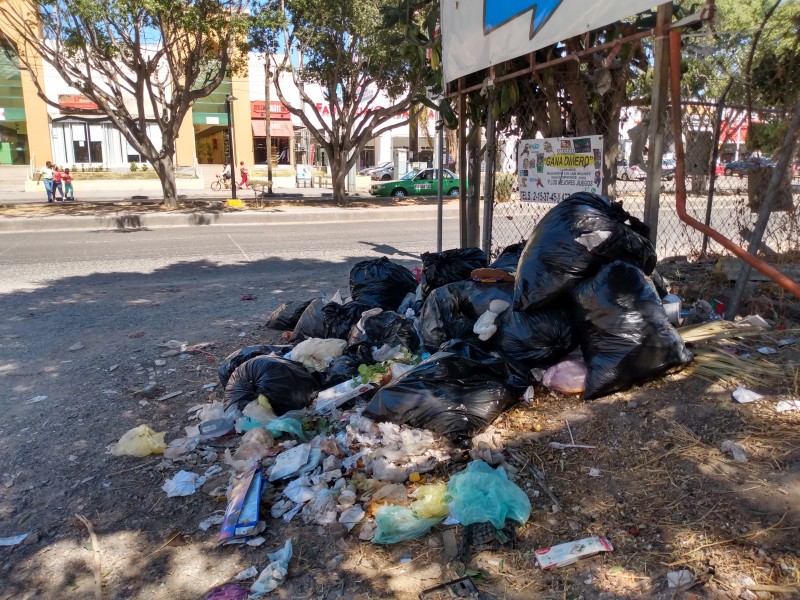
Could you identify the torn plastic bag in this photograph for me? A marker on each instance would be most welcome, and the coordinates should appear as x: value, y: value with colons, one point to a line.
x: 450, y: 311
x: 572, y: 242
x: 286, y: 316
x: 286, y: 384
x: 380, y: 282
x: 311, y: 323
x: 339, y: 318
x: 509, y: 258
x: 625, y: 335
x: 441, y: 268
x: 228, y: 365
x: 535, y: 339
x: 398, y: 524
x: 342, y: 369
x: 454, y: 396
x: 386, y: 327
x: 317, y: 354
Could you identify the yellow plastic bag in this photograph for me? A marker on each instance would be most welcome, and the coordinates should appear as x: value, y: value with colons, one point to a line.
x: 430, y: 502
x: 140, y: 441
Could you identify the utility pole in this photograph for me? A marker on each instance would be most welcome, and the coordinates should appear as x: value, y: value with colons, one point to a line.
x: 231, y: 158
x: 267, y: 120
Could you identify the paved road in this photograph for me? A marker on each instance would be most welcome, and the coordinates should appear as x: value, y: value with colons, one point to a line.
x: 34, y: 259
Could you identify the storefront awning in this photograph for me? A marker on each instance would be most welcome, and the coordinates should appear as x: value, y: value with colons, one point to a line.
x: 277, y: 128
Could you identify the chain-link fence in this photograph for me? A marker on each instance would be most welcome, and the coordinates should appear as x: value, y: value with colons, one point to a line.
x: 725, y: 181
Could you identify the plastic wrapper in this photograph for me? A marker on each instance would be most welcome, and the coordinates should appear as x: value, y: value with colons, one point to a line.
x: 311, y: 323
x: 572, y: 242
x: 481, y: 494
x: 509, y: 258
x: 380, y: 282
x: 566, y: 377
x: 485, y: 327
x: 441, y: 268
x: 140, y: 441
x: 286, y: 316
x: 286, y: 384
x: 430, y: 503
x: 316, y: 354
x: 398, y: 524
x: 385, y: 328
x: 275, y: 573
x: 452, y: 395
x: 450, y: 312
x: 534, y: 339
x: 626, y: 337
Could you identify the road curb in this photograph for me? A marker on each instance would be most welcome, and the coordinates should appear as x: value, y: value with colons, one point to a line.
x: 131, y: 221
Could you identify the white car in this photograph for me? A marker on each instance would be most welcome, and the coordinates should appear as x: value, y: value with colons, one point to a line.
x: 629, y: 173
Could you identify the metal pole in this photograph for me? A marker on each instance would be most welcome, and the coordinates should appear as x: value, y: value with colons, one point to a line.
x: 231, y: 158
x: 440, y: 190
x: 657, y: 120
x: 267, y: 122
x: 488, y: 189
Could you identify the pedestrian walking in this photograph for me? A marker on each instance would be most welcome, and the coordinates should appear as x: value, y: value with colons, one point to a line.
x: 57, y: 187
x: 245, y: 176
x: 46, y: 175
x: 66, y: 177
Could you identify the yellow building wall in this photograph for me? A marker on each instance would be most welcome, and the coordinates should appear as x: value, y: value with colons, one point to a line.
x: 185, y: 151
x: 242, y: 127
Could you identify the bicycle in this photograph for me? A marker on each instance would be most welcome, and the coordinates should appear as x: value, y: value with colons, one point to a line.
x: 219, y: 183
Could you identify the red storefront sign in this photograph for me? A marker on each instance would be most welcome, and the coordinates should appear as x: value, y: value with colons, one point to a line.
x: 276, y: 110
x: 76, y: 101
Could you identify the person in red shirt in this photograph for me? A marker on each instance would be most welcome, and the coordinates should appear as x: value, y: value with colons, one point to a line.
x: 66, y: 177
x: 57, y: 178
x: 245, y: 175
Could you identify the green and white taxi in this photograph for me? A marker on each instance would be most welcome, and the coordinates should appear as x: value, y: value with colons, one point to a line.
x: 423, y: 182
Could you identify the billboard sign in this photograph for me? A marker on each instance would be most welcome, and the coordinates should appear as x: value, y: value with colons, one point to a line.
x: 552, y: 169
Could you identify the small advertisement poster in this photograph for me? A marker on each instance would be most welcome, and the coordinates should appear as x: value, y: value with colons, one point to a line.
x: 552, y: 169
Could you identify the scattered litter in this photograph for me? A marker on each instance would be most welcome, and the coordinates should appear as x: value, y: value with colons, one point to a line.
x: 457, y: 588
x: 159, y: 362
x: 736, y: 450
x: 566, y: 377
x: 334, y: 397
x: 787, y: 342
x: 227, y: 591
x: 113, y: 368
x: 766, y: 350
x: 13, y: 540
x: 399, y: 523
x: 248, y: 573
x: 186, y: 483
x: 744, y: 396
x: 275, y: 573
x: 36, y: 399
x: 680, y: 579
x: 241, y: 515
x: 168, y: 396
x: 482, y: 494
x: 74, y: 347
x: 208, y: 523
x: 787, y: 406
x: 209, y: 386
x: 595, y: 472
x: 755, y: 322
x: 249, y: 297
x: 570, y: 552
x: 140, y: 441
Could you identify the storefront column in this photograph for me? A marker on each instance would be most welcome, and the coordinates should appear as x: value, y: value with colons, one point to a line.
x: 37, y: 120
x: 185, y: 151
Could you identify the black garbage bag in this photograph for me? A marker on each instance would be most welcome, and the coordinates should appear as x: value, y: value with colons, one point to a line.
x: 441, y: 268
x: 538, y: 339
x: 286, y: 316
x: 311, y: 323
x: 625, y: 335
x: 450, y: 311
x: 381, y: 282
x: 340, y: 318
x: 509, y: 258
x: 286, y: 384
x: 572, y: 242
x: 340, y: 370
x: 228, y: 365
x: 515, y: 375
x: 454, y: 396
x: 386, y: 327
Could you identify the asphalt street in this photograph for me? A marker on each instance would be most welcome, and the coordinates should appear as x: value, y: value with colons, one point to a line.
x: 33, y: 259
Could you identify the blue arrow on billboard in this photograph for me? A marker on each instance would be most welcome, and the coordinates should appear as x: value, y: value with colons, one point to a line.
x: 497, y: 13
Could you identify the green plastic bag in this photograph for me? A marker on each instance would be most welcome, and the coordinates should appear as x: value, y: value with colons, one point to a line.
x: 482, y: 494
x: 399, y: 523
x: 285, y: 425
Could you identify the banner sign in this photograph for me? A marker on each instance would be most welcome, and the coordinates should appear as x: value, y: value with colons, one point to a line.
x: 553, y: 169
x: 479, y: 33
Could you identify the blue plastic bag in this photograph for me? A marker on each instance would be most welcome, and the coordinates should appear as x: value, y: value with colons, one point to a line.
x: 398, y: 524
x: 482, y: 494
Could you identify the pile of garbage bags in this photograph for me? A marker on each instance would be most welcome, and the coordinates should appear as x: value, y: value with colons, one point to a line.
x: 455, y: 349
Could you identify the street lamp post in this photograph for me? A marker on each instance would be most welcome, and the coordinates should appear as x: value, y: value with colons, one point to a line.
x: 229, y: 106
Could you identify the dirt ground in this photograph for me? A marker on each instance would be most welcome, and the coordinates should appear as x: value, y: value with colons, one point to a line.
x: 666, y: 496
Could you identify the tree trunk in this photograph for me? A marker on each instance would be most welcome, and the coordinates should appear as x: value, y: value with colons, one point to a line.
x: 338, y: 176
x: 166, y: 173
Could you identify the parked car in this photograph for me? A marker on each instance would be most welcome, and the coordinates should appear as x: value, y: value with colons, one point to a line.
x: 747, y: 166
x: 668, y: 169
x: 384, y: 172
x: 627, y: 172
x: 418, y: 183
x: 369, y: 170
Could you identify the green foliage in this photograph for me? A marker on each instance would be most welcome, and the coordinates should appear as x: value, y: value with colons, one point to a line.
x: 765, y: 137
x: 503, y: 186
x: 134, y: 166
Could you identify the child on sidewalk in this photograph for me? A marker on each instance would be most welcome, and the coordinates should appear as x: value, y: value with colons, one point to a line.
x: 245, y: 175
x: 57, y: 178
x: 66, y: 177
